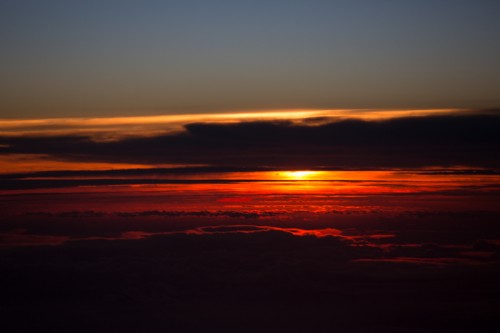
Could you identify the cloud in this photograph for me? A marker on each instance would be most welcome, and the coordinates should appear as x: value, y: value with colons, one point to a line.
x: 472, y: 140
x: 472, y: 236
x: 273, y: 280
x: 109, y: 128
x: 248, y: 229
x: 16, y: 239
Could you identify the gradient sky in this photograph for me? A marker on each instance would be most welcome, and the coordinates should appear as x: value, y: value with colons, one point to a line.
x: 107, y: 58
x: 250, y: 165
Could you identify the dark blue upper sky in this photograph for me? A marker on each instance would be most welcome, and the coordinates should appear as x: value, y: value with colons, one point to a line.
x: 110, y: 57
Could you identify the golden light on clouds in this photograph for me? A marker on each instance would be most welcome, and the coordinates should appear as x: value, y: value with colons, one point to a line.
x: 301, y: 175
x: 14, y: 163
x: 110, y: 128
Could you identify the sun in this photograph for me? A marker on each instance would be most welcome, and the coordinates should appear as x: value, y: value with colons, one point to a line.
x: 300, y: 175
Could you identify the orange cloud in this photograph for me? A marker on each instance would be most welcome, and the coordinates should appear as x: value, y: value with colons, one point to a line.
x: 111, y: 128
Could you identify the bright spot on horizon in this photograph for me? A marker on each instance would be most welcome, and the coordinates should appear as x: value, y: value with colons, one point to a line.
x: 300, y: 175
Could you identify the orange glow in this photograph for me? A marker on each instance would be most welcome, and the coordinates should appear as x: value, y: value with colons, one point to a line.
x: 333, y: 192
x: 248, y: 229
x: 300, y: 175
x: 16, y: 163
x: 112, y: 128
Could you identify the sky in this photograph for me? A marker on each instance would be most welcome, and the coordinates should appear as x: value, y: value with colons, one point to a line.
x: 136, y: 58
x: 250, y: 166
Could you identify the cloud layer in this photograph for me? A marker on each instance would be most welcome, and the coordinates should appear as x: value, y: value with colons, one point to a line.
x: 472, y: 140
x: 252, y: 277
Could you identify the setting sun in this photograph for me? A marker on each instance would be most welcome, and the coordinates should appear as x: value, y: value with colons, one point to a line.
x: 300, y: 175
x: 259, y: 166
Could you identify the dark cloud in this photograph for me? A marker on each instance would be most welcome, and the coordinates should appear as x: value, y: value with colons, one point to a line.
x: 145, y: 172
x: 411, y: 271
x: 266, y: 281
x: 472, y: 140
x: 161, y: 213
x: 23, y: 184
x: 422, y: 234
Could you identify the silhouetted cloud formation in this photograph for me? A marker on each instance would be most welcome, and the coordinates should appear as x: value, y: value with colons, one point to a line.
x: 217, y: 281
x: 472, y: 140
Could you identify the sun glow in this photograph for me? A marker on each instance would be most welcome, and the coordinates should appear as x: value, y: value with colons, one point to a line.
x: 300, y: 175
x: 114, y: 128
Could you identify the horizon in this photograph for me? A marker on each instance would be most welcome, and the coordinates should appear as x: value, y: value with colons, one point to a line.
x: 250, y: 166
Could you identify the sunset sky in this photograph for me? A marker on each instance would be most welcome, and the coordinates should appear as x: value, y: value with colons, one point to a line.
x: 250, y: 166
x: 115, y: 78
x: 125, y: 57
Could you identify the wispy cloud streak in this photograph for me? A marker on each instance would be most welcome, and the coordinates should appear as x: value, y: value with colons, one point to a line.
x: 445, y: 140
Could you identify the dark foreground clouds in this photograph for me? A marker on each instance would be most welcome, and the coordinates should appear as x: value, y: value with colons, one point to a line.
x: 227, y: 281
x: 346, y: 271
x: 472, y: 140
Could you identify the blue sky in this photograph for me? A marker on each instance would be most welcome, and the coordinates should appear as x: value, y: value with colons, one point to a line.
x: 88, y: 58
